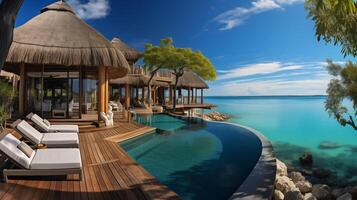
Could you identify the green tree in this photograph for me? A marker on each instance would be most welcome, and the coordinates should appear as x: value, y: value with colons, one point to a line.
x: 154, y: 59
x: 7, y: 94
x: 335, y: 23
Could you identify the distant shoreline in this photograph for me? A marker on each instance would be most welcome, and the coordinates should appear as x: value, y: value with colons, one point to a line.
x: 266, y: 96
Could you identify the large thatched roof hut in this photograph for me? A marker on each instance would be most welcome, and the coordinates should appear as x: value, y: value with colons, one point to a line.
x: 56, y: 44
x: 131, y: 54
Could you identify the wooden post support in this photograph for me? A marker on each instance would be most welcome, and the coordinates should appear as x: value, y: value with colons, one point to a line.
x: 189, y: 95
x: 201, y: 96
x: 101, y: 89
x: 22, y: 90
x: 170, y: 95
x: 127, y: 97
x: 196, y: 95
x: 106, y: 103
x: 143, y: 94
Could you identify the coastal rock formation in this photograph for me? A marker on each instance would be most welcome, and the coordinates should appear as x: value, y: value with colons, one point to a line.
x: 304, y: 186
x: 309, y: 196
x: 281, y: 168
x: 321, y: 191
x: 285, y: 184
x: 346, y: 196
x: 216, y: 116
x: 293, y: 195
x: 306, y: 159
x: 296, y: 177
x: 278, y: 195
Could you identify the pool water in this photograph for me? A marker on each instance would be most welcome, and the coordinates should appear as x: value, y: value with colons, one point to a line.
x: 296, y: 125
x: 196, y: 159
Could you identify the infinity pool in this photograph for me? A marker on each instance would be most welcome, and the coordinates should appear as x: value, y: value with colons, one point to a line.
x: 196, y: 159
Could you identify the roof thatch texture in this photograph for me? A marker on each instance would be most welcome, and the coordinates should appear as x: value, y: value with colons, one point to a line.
x: 58, y: 37
x: 138, y: 80
x: 131, y: 54
x: 191, y: 80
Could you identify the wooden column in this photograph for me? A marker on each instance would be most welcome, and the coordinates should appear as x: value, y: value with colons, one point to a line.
x: 142, y: 94
x: 201, y: 96
x: 81, y: 96
x: 101, y: 89
x: 196, y: 95
x: 106, y: 108
x: 189, y: 95
x: 127, y: 97
x: 22, y: 90
x: 170, y: 95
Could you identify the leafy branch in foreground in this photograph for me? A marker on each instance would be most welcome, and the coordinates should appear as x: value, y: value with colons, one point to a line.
x: 342, y: 87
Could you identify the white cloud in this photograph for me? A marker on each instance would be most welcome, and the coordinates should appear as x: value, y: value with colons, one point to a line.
x: 310, y: 86
x: 257, y: 69
x: 92, y: 9
x: 239, y: 15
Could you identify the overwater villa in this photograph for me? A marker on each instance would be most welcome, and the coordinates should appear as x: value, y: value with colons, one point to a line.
x: 70, y: 74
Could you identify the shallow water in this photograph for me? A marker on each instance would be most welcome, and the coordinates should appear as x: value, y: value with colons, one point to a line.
x: 197, y: 160
x: 296, y: 125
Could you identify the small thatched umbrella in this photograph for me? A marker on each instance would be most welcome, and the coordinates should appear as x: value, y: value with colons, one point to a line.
x: 131, y: 54
x: 58, y: 37
x: 190, y: 80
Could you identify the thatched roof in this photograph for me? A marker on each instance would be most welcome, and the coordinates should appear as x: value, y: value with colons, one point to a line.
x: 58, y: 37
x: 130, y: 53
x: 139, y: 80
x: 191, y: 80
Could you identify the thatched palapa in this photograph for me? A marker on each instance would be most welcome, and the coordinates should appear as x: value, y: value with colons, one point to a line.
x: 138, y: 80
x: 131, y: 54
x: 58, y: 37
x: 190, y: 80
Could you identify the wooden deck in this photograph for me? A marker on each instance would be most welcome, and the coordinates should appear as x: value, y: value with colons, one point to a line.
x: 109, y: 173
x: 191, y: 106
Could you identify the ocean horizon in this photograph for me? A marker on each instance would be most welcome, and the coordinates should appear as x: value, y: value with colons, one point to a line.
x: 296, y: 125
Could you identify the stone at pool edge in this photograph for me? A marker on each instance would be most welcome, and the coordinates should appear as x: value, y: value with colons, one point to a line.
x: 346, y: 196
x: 306, y: 159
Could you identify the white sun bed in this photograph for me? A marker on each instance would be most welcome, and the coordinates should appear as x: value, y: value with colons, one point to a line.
x: 46, y: 127
x: 41, y: 162
x: 60, y: 140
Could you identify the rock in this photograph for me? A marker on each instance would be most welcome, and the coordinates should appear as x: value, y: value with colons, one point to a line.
x: 281, y: 169
x: 329, y: 145
x: 306, y: 159
x: 346, y: 196
x: 309, y: 196
x: 278, y: 195
x: 304, y: 186
x: 284, y: 184
x: 296, y: 177
x: 337, y: 192
x: 321, y: 192
x: 293, y: 195
x: 321, y: 173
x: 353, y: 192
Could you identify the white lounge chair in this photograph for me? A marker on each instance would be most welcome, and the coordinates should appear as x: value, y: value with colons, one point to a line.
x: 60, y: 140
x: 41, y: 162
x: 46, y: 127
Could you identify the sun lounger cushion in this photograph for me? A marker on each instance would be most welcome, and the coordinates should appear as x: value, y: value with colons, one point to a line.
x: 60, y: 138
x: 64, y: 128
x: 25, y: 148
x: 8, y: 145
x: 57, y: 159
x: 39, y: 122
x: 30, y: 132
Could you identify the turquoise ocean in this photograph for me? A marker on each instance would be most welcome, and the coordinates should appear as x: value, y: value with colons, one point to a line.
x: 296, y: 125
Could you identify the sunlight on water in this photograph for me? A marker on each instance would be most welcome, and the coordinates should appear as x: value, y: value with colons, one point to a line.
x: 296, y: 125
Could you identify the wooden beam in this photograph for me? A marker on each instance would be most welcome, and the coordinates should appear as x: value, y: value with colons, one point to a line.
x: 189, y: 95
x: 201, y: 96
x: 127, y: 97
x: 101, y: 89
x: 22, y: 90
x: 106, y: 90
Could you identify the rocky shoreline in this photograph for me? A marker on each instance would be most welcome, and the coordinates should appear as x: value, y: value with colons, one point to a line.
x: 216, y: 116
x: 293, y: 185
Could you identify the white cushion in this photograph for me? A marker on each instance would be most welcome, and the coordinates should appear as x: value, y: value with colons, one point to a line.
x: 8, y: 145
x: 64, y: 128
x: 39, y: 122
x: 60, y: 138
x: 30, y: 132
x: 57, y: 159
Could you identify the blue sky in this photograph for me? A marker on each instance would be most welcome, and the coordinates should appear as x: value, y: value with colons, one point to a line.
x: 261, y: 47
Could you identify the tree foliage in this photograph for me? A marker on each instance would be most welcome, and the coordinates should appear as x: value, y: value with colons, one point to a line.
x: 167, y: 56
x: 7, y: 94
x: 342, y: 86
x: 335, y: 22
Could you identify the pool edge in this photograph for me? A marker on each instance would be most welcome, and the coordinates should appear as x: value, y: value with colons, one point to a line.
x: 259, y: 184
